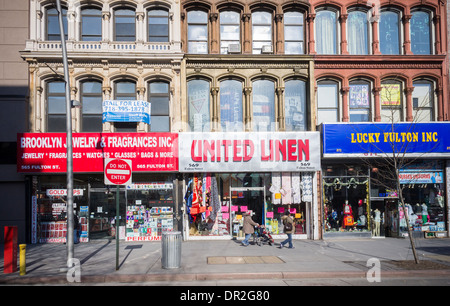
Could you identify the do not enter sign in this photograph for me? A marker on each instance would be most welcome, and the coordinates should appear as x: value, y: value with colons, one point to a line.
x: 117, y: 171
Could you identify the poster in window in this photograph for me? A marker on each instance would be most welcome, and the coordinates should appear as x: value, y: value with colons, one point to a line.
x: 359, y: 96
x: 390, y: 94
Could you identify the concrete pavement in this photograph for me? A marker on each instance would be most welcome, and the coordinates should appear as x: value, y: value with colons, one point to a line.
x: 140, y: 262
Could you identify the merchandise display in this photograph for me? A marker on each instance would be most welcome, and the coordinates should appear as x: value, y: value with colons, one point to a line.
x: 148, y: 224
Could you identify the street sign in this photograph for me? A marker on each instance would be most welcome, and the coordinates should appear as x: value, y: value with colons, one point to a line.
x: 117, y: 171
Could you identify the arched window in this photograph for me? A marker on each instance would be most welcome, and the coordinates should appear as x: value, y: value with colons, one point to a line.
x: 391, y: 101
x: 91, y: 101
x: 295, y: 105
x: 159, y: 97
x: 294, y: 40
x: 53, y: 24
x: 327, y: 101
x: 229, y: 32
x: 125, y: 25
x: 264, y: 105
x: 91, y: 24
x: 389, y: 32
x: 326, y: 32
x: 261, y: 31
x: 197, y: 32
x: 56, y: 106
x: 158, y: 25
x: 357, y: 33
x: 423, y: 101
x: 420, y: 32
x: 125, y: 90
x: 359, y: 101
x: 231, y: 105
x: 198, y: 105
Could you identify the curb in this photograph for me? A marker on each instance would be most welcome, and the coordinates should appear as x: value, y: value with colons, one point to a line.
x: 130, y: 278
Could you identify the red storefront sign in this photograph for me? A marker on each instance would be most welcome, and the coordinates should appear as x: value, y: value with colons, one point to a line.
x: 46, y: 152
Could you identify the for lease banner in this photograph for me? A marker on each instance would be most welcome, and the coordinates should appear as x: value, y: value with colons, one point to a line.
x: 46, y: 152
x: 249, y: 152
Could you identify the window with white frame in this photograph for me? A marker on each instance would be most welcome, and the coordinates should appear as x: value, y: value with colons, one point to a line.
x: 53, y: 24
x: 326, y: 32
x: 231, y: 115
x: 158, y: 25
x: 124, y: 25
x: 197, y: 32
x: 125, y: 90
x: 391, y: 101
x: 56, y: 106
x: 295, y: 105
x: 359, y: 101
x: 294, y: 41
x: 229, y: 32
x: 327, y: 101
x: 261, y: 32
x: 91, y: 24
x: 389, y: 32
x: 159, y: 98
x: 357, y: 33
x: 199, y: 105
x: 91, y: 101
x: 423, y: 101
x: 263, y: 92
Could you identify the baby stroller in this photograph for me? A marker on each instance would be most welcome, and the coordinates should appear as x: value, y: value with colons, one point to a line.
x: 262, y: 236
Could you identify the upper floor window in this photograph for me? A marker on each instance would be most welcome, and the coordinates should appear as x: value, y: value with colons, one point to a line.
x: 125, y: 90
x: 293, y: 33
x: 231, y: 105
x: 391, y: 101
x: 420, y: 32
x: 357, y: 33
x: 56, y: 106
x: 91, y: 24
x: 158, y: 25
x: 389, y: 32
x: 263, y: 105
x: 197, y: 32
x: 198, y: 105
x: 261, y: 31
x: 359, y: 102
x: 295, y: 105
x: 159, y: 97
x: 125, y: 26
x: 423, y: 101
x: 327, y: 102
x: 53, y: 24
x: 229, y: 32
x: 326, y: 33
x: 91, y: 100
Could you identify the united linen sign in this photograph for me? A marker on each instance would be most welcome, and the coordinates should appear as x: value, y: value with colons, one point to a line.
x: 46, y: 152
x: 245, y: 152
x: 381, y: 139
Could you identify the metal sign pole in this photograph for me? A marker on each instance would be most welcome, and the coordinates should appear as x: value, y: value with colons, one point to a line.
x: 70, y: 234
x: 117, y: 226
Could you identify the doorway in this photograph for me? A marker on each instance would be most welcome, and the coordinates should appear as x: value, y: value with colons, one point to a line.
x: 245, y: 199
x: 102, y: 212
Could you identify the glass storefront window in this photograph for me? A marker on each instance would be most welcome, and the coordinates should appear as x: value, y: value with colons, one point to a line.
x: 215, y: 203
x: 346, y: 199
x: 149, y: 211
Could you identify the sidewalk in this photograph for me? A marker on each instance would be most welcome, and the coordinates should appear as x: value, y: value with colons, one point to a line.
x: 208, y: 260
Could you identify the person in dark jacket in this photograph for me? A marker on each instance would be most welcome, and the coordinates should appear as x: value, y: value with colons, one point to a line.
x: 287, y: 219
x: 248, y: 227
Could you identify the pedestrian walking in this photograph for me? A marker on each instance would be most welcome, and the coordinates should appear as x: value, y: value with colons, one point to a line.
x: 248, y: 227
x: 288, y: 223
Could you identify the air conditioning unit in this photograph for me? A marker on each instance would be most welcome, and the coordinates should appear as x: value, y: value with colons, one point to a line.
x: 234, y: 48
x: 267, y: 49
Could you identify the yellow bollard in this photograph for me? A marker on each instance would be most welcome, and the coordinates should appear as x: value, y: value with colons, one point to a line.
x: 23, y: 268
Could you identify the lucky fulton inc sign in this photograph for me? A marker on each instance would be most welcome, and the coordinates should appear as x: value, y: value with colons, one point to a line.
x: 379, y: 139
x: 249, y: 152
x: 46, y: 152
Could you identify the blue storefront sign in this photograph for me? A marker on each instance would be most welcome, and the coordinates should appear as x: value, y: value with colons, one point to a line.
x: 126, y: 111
x: 381, y: 139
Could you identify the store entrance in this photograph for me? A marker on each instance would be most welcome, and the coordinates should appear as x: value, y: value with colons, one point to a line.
x: 102, y: 212
x: 245, y: 199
